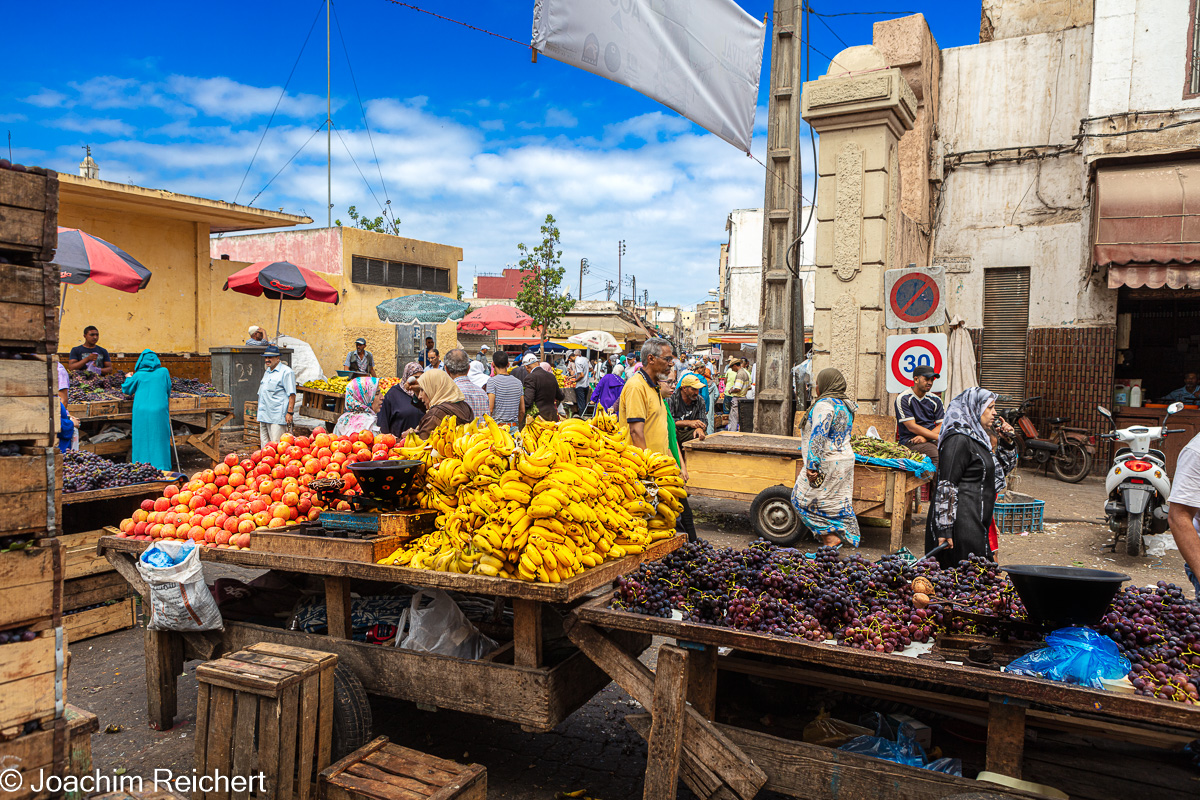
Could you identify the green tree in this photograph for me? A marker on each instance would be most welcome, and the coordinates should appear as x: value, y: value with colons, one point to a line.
x: 541, y: 295
x: 381, y: 224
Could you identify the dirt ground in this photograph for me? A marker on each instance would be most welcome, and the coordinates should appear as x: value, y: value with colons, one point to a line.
x: 593, y: 749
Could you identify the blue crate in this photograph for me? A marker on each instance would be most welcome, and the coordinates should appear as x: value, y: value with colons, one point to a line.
x: 1024, y: 514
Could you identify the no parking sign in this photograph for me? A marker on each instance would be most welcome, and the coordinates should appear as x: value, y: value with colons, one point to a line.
x: 916, y: 297
x: 906, y: 353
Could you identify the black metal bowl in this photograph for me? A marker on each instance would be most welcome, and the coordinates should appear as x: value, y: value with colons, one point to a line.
x: 387, y: 482
x: 1063, y: 596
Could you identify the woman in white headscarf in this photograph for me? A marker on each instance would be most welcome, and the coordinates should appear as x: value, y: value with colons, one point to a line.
x: 362, y: 407
x: 975, y: 454
x: 478, y: 374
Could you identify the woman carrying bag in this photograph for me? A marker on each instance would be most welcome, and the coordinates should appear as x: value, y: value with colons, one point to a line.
x: 823, y: 493
x: 976, y: 453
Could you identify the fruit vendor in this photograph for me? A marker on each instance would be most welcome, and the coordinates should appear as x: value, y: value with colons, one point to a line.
x: 685, y: 522
x: 150, y: 385
x: 276, y: 397
x: 823, y: 492
x: 919, y: 414
x: 641, y: 407
x: 258, y: 337
x: 90, y: 356
x: 1184, y: 515
x: 689, y: 410
x: 359, y: 360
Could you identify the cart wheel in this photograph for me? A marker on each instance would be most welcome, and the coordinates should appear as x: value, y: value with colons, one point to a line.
x: 351, y: 713
x: 773, y: 517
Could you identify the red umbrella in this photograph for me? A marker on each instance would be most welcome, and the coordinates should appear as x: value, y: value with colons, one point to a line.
x: 81, y: 257
x: 281, y: 279
x: 495, y: 318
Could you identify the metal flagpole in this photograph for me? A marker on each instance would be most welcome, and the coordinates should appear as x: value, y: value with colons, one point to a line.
x: 328, y: 131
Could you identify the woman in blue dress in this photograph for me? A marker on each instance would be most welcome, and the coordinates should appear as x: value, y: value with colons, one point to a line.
x: 150, y: 385
x: 823, y: 494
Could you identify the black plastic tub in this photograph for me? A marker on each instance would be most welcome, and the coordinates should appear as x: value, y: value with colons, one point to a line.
x: 387, y: 481
x: 1063, y: 596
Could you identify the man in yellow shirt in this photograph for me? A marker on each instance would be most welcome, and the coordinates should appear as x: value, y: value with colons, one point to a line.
x: 641, y: 407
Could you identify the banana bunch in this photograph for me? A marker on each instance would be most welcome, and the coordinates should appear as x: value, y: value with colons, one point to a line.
x: 328, y: 385
x: 559, y: 498
x: 558, y: 376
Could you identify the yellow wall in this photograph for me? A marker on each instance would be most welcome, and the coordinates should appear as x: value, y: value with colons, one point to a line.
x: 183, y: 309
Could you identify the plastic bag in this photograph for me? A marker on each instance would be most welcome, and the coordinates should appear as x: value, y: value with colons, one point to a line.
x: 304, y: 361
x: 902, y: 751
x: 949, y: 766
x: 921, y: 468
x: 1075, y: 655
x: 435, y: 624
x: 829, y: 731
x: 179, y: 597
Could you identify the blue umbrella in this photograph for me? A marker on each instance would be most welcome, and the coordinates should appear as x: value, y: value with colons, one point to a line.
x: 424, y: 308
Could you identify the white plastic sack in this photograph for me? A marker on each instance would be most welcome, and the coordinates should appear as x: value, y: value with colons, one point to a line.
x: 873, y: 433
x: 433, y: 623
x: 304, y: 360
x: 179, y: 598
x: 1158, y: 544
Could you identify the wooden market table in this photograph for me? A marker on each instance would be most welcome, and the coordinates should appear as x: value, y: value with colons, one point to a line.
x: 536, y: 688
x: 748, y: 466
x: 205, y: 436
x: 716, y: 760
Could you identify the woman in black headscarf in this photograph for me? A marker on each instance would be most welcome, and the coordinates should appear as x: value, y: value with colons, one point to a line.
x: 401, y: 410
x: 975, y: 455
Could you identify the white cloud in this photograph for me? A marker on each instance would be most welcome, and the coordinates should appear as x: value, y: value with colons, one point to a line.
x: 560, y: 118
x: 47, y: 98
x: 109, y: 127
x: 227, y: 99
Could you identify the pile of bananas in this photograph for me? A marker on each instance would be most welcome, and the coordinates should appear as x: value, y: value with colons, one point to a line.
x: 337, y: 385
x: 562, y: 379
x: 559, y: 498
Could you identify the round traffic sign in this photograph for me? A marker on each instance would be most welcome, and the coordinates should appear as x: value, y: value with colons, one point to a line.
x: 914, y: 298
x: 914, y: 353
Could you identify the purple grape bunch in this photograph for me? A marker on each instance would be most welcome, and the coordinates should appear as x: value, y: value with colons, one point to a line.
x: 84, y: 472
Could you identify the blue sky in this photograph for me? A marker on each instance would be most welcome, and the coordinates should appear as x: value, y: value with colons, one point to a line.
x: 474, y: 143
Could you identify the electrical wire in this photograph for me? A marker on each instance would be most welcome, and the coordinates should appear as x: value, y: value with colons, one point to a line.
x: 812, y: 10
x: 360, y: 172
x: 459, y: 22
x: 320, y: 128
x: 831, y: 30
x: 362, y: 108
x: 277, y: 102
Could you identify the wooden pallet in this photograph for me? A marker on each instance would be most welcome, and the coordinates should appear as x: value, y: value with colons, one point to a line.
x: 384, y: 771
x: 116, y: 616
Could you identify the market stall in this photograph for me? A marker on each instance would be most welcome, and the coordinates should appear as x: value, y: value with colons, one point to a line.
x: 720, y: 750
x: 760, y: 469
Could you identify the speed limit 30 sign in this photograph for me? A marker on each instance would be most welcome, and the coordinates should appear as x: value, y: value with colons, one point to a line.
x: 906, y: 353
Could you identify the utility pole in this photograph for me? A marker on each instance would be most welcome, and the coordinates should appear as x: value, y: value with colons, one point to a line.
x: 583, y: 269
x: 608, y: 289
x: 633, y: 295
x: 781, y: 307
x: 620, y: 252
x: 328, y: 122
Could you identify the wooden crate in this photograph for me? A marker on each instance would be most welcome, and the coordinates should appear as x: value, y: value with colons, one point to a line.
x: 29, y: 672
x: 322, y: 405
x: 29, y: 306
x: 116, y: 448
x: 189, y: 402
x: 31, y: 586
x: 29, y: 492
x: 266, y: 709
x: 81, y: 725
x: 42, y: 752
x: 250, y: 413
x: 29, y: 212
x: 93, y: 589
x: 80, y: 558
x: 28, y: 400
x: 384, y: 771
x: 293, y: 541
x: 117, y: 616
x: 217, y: 401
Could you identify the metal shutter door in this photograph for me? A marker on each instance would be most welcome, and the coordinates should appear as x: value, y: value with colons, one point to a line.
x: 1005, y: 333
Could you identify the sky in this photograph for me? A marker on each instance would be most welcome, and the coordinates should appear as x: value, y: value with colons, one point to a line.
x: 471, y: 142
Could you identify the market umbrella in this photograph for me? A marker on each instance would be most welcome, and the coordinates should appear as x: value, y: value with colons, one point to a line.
x: 281, y: 280
x: 424, y: 308
x: 603, y: 341
x: 495, y: 318
x: 81, y: 257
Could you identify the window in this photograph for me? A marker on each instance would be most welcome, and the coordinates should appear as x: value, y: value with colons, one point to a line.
x: 1191, y: 87
x: 1005, y: 333
x: 398, y: 275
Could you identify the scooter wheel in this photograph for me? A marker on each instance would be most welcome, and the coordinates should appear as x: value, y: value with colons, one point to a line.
x: 1133, y: 534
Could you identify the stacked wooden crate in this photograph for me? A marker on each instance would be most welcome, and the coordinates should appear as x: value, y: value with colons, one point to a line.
x: 33, y: 734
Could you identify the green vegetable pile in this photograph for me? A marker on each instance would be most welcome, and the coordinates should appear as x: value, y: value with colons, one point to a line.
x: 878, y: 448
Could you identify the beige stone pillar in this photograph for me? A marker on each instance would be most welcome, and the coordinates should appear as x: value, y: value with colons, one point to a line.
x: 860, y: 108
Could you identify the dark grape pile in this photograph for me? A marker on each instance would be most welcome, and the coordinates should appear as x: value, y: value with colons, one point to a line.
x: 10, y: 543
x: 1158, y: 630
x: 193, y: 386
x: 17, y: 635
x: 85, y: 472
x: 86, y: 386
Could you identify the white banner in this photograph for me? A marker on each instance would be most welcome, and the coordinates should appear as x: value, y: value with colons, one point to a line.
x: 701, y: 58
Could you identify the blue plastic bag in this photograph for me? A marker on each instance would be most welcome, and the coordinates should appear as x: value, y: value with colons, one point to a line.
x: 1075, y: 655
x: 155, y: 556
x: 922, y: 469
x: 903, y: 751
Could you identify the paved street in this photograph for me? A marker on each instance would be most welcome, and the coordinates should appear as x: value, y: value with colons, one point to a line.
x: 592, y: 750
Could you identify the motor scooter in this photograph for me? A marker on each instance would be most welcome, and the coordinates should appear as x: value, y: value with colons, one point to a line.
x: 1068, y: 451
x: 1138, y: 485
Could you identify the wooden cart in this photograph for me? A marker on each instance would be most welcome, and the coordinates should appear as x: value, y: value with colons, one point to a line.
x: 205, y: 436
x: 761, y: 470
x: 719, y: 760
x: 522, y: 682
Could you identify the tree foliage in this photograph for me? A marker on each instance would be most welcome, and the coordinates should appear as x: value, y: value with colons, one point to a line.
x: 380, y: 224
x: 541, y: 294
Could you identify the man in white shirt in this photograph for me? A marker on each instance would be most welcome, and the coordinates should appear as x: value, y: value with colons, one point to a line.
x: 1184, y: 515
x: 583, y: 381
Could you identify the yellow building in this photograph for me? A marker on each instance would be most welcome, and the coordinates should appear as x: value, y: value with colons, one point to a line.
x: 183, y: 239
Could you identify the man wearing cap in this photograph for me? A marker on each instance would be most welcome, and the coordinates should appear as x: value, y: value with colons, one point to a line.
x: 359, y: 360
x: 484, y: 356
x: 258, y: 337
x: 689, y: 410
x: 919, y: 414
x: 276, y: 397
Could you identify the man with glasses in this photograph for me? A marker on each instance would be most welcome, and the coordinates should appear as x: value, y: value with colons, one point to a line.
x: 641, y: 407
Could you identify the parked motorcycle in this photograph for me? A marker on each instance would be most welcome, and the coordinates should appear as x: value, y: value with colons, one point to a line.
x: 1138, y: 485
x: 1068, y: 451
